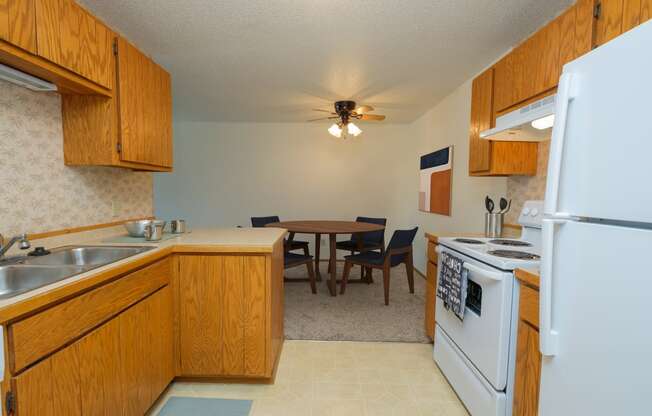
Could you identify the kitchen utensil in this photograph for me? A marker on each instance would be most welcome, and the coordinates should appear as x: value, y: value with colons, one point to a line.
x: 503, y: 205
x: 178, y: 226
x: 154, y: 230
x: 493, y: 224
x: 489, y: 204
x: 509, y: 206
x: 137, y: 228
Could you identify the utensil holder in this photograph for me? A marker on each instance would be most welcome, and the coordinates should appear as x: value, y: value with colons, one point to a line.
x: 493, y: 225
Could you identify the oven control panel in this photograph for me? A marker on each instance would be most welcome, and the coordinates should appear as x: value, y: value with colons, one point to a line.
x: 531, y: 214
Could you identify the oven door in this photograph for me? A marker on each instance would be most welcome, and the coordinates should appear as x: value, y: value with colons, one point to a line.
x: 484, y: 335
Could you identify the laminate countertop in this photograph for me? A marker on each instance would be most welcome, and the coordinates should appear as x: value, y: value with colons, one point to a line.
x: 222, y: 240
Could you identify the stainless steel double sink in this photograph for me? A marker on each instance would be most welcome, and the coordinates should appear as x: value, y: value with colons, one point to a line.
x: 22, y: 274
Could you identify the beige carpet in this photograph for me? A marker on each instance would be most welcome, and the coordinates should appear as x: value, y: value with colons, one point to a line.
x: 358, y: 315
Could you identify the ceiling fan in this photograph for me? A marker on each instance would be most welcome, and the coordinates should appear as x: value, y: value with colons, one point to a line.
x: 345, y: 112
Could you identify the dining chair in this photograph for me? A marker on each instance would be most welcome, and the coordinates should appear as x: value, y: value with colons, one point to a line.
x: 259, y: 222
x: 373, y: 240
x: 293, y: 260
x: 399, y: 250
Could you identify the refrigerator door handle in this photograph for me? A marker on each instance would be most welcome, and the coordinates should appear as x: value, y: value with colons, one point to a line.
x: 548, y: 336
x: 565, y: 95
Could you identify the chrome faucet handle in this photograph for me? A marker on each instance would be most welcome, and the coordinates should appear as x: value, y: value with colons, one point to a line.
x: 24, y: 242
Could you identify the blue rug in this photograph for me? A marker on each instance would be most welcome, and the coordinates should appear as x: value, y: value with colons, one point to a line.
x: 197, y: 406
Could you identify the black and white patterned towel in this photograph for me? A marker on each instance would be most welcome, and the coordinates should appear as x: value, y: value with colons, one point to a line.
x: 451, y: 287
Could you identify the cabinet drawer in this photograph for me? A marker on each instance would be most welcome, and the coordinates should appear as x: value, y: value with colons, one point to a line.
x: 79, y: 315
x: 432, y: 252
x: 529, y: 306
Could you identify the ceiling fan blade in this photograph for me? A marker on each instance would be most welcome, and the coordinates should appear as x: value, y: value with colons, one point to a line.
x: 364, y: 109
x: 371, y: 117
x: 323, y: 111
x: 322, y: 118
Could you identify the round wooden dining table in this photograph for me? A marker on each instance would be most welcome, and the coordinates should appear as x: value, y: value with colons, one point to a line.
x: 332, y: 228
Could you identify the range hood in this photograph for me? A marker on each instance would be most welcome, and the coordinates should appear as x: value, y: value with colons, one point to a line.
x: 25, y: 80
x: 532, y: 123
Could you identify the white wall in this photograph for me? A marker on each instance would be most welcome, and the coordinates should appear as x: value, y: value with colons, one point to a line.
x: 445, y: 124
x: 227, y: 172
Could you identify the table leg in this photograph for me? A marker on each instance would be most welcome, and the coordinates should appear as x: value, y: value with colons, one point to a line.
x: 317, y: 248
x: 332, y: 284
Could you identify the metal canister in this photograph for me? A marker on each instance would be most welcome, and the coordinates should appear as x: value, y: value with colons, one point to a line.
x: 493, y: 224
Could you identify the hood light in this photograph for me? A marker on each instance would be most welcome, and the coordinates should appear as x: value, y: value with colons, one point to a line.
x: 544, y: 122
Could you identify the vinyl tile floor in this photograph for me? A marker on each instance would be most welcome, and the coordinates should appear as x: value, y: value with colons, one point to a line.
x: 331, y: 378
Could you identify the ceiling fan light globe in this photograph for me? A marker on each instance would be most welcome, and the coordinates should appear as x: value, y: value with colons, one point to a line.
x: 353, y: 130
x: 335, y: 130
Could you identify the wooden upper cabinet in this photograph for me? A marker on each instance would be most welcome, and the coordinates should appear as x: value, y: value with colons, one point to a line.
x: 481, y: 119
x: 614, y: 17
x: 17, y: 23
x: 533, y: 68
x: 145, y: 107
x: 494, y: 158
x: 133, y: 129
x: 71, y: 37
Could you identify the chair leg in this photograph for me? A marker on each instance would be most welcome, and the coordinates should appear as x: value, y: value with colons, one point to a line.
x: 409, y: 268
x: 311, y: 275
x: 345, y: 276
x: 386, y: 284
x: 306, y: 251
x: 329, y: 265
x: 369, y: 278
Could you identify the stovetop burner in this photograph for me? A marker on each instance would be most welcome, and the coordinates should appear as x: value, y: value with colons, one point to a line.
x: 512, y: 254
x: 511, y: 243
x: 468, y: 241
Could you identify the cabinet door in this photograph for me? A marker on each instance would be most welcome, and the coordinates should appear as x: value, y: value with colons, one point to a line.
x: 431, y: 285
x: 481, y: 119
x: 70, y: 36
x: 146, y: 351
x: 17, y: 23
x: 222, y: 315
x: 82, y: 379
x: 145, y: 108
x: 528, y: 371
x: 609, y: 23
x: 646, y: 10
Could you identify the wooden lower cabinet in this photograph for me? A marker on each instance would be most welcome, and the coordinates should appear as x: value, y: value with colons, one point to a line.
x: 119, y: 368
x: 431, y: 287
x: 528, y: 358
x: 223, y: 315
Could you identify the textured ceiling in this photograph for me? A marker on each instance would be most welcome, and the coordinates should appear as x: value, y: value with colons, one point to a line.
x: 274, y: 60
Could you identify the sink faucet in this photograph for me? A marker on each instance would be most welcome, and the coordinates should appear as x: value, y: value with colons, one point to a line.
x: 24, y: 244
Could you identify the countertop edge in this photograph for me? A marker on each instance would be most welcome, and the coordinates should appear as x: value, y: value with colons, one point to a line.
x: 95, y: 278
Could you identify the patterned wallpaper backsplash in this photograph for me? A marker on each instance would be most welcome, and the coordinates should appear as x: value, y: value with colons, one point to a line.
x: 38, y: 192
x: 524, y: 188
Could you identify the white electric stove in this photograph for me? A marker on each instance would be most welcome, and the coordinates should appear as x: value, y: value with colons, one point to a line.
x: 477, y: 354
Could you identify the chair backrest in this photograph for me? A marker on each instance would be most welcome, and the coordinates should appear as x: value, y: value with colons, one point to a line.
x: 372, y: 237
x: 262, y: 221
x: 400, y: 239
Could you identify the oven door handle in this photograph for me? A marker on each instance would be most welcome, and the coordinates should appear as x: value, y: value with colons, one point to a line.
x: 491, y: 275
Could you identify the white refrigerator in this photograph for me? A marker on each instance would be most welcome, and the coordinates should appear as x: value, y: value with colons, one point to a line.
x: 596, y: 266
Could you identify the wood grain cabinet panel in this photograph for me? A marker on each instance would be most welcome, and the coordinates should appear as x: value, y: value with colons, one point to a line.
x: 481, y: 119
x: 146, y: 351
x: 144, y: 107
x: 528, y: 358
x: 431, y: 286
x: 609, y: 23
x: 17, y: 23
x: 223, y: 316
x: 646, y: 10
x: 486, y: 157
x: 70, y: 36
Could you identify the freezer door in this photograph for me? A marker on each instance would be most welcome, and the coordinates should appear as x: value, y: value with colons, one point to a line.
x: 599, y: 164
x: 600, y: 285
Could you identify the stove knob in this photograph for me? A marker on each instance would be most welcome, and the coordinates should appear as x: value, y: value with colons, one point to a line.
x: 526, y: 211
x: 534, y: 212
